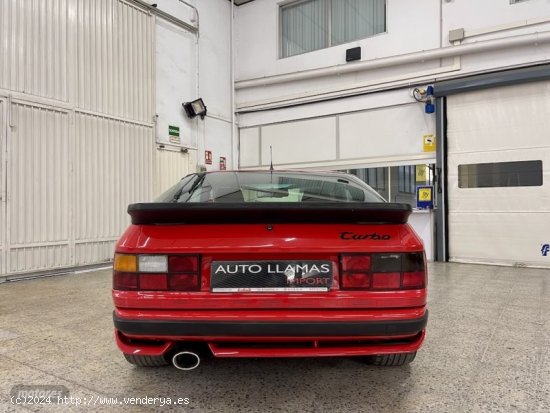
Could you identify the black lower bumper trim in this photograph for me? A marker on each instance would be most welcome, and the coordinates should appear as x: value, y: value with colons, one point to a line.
x: 193, y: 328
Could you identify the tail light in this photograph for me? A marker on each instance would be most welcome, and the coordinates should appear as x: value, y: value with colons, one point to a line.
x: 383, y: 272
x: 156, y: 272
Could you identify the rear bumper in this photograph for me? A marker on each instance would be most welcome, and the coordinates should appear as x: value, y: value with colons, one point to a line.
x: 261, y: 338
x: 194, y: 328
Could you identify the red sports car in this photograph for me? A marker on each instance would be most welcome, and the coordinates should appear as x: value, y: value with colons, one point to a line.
x: 269, y: 264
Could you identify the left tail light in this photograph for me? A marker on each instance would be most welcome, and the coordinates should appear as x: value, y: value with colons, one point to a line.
x: 153, y: 272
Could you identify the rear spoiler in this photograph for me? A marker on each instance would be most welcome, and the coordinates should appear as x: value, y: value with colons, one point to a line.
x: 267, y: 213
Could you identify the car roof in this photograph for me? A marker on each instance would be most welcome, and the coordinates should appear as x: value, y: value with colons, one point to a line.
x: 292, y: 171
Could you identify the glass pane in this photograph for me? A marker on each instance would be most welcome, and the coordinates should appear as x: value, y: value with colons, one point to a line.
x: 401, y: 187
x: 500, y: 174
x: 304, y: 27
x: 400, y: 181
x: 375, y: 177
x: 356, y: 19
x: 239, y: 187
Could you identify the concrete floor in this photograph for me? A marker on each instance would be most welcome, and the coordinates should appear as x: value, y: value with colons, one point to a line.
x: 486, y: 351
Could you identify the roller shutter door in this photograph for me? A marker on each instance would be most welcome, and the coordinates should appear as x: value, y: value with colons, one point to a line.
x: 498, y: 147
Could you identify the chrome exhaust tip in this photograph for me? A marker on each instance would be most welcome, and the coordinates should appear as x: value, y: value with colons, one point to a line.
x: 186, y: 360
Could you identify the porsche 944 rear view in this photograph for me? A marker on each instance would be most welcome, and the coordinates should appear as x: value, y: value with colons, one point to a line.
x: 269, y: 264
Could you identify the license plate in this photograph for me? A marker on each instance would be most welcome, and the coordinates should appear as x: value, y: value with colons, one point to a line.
x: 270, y: 276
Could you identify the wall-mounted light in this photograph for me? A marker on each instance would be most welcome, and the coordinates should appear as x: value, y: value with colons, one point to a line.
x: 195, y: 108
x: 430, y: 100
x: 426, y: 96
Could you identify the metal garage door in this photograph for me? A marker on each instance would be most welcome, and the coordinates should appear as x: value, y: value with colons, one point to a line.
x: 499, y: 175
x: 80, y: 144
x: 2, y: 185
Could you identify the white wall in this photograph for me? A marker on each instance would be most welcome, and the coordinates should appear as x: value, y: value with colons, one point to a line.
x: 258, y: 44
x: 177, y: 83
x: 379, y: 94
x: 412, y: 27
x: 376, y: 136
x: 215, y: 83
x: 494, y: 19
x: 475, y: 14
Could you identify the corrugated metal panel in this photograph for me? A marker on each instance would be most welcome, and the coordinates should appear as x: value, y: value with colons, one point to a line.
x: 2, y: 189
x: 171, y: 166
x: 114, y: 59
x: 33, y: 46
x: 73, y: 171
x: 113, y: 167
x: 38, y: 208
x: 93, y: 252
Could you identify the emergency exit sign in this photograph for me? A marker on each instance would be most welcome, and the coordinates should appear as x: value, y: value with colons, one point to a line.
x: 174, y: 134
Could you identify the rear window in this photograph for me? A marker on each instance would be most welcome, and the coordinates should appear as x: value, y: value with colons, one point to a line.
x: 238, y: 187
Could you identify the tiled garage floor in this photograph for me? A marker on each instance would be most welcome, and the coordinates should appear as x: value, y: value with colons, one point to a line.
x: 487, y: 350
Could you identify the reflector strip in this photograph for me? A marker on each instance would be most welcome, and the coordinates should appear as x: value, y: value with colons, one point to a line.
x: 268, y: 289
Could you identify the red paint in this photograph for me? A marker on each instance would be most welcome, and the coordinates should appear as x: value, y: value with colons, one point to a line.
x: 256, y: 242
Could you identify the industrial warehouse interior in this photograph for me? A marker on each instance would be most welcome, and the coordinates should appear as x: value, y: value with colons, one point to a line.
x: 275, y: 205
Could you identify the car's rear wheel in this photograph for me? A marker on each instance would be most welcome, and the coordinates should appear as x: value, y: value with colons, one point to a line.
x: 391, y: 360
x: 146, y: 361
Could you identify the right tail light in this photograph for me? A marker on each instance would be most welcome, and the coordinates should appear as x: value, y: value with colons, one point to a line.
x: 383, y: 271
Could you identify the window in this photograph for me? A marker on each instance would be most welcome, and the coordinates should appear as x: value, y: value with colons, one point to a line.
x: 397, y: 183
x: 239, y: 187
x: 501, y: 174
x: 376, y: 178
x: 407, y: 182
x: 316, y: 24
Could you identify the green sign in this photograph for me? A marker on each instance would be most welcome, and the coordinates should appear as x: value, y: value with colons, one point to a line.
x: 174, y: 134
x: 173, y: 130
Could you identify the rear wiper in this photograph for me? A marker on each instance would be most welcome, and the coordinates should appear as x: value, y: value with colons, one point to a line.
x: 198, y: 181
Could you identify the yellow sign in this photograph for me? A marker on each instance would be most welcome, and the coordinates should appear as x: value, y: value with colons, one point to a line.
x: 429, y: 143
x: 425, y: 194
x: 421, y: 173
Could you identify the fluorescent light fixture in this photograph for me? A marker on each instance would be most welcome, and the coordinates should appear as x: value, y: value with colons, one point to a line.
x: 195, y: 108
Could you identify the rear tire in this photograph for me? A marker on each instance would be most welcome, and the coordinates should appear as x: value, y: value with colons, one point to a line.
x: 391, y: 360
x: 146, y: 361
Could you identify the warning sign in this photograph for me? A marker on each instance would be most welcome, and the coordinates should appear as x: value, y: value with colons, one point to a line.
x: 429, y: 143
x: 421, y: 173
x: 208, y: 157
x: 424, y: 197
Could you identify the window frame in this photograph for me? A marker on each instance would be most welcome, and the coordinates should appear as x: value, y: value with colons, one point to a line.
x: 288, y: 3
